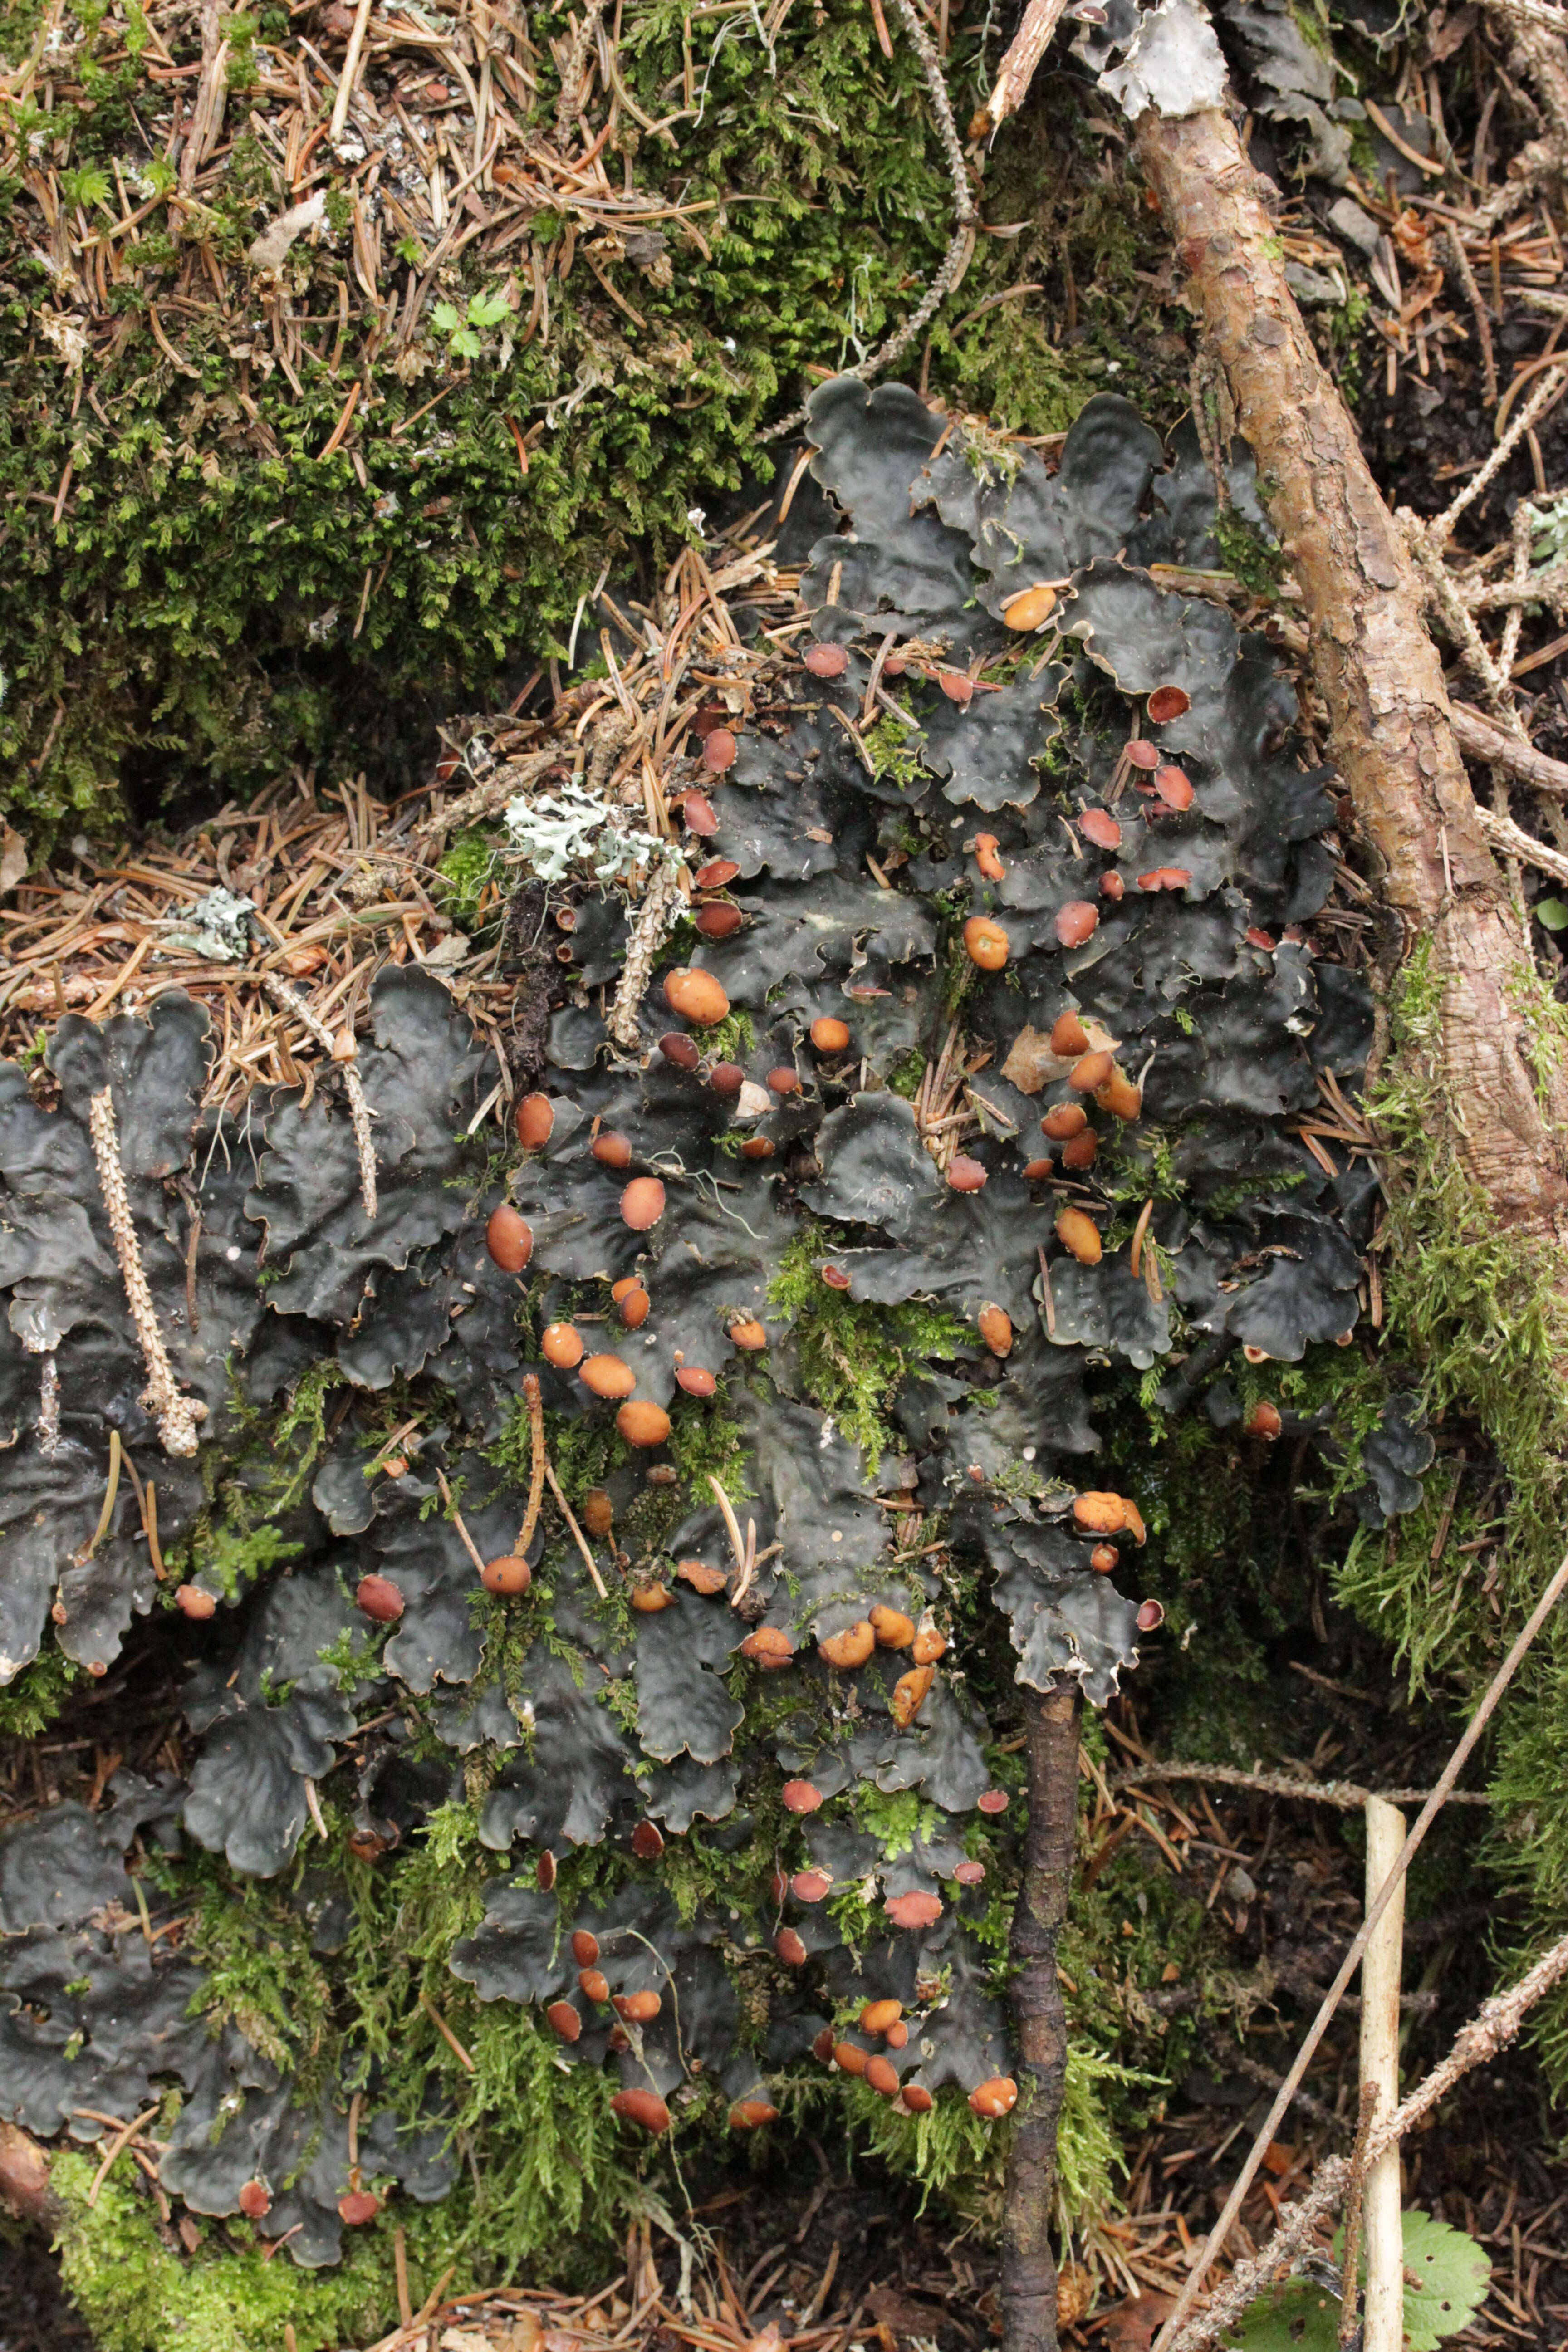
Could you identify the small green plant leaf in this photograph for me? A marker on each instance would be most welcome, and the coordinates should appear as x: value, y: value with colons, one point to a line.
x: 486, y: 309
x: 445, y: 318
x: 1552, y: 913
x: 465, y: 344
x: 1299, y: 2316
x: 1445, y: 2277
x: 1453, y: 2273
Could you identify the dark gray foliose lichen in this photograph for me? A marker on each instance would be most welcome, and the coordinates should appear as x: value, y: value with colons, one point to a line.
x: 101, y: 2017
x: 1116, y: 786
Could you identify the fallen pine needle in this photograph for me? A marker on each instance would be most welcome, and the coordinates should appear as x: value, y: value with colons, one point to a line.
x: 446, y: 2034
x: 458, y: 1521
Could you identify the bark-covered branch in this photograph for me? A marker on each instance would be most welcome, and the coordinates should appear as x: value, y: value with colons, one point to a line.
x: 24, y: 2179
x: 1029, y: 2264
x: 1392, y: 734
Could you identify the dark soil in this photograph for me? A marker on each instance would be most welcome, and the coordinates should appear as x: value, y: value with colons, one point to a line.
x: 35, y: 2316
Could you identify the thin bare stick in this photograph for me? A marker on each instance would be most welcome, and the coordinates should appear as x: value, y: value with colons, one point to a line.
x: 175, y: 1415
x: 536, y: 1481
x: 456, y: 1516
x: 748, y: 1566
x: 400, y: 2266
x: 736, y: 1541
x: 445, y: 2032
x: 1175, y: 2332
x: 1030, y: 42
x: 110, y: 1492
x: 1383, y: 2321
x: 122, y: 2139
x: 578, y: 1537
x: 350, y: 74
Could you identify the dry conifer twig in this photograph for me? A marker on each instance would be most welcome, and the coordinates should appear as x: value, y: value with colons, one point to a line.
x: 533, y: 1399
x: 1029, y: 45
x: 1511, y: 841
x: 353, y: 1086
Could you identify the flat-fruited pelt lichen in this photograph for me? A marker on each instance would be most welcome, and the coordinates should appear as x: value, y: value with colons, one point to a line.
x: 670, y: 1785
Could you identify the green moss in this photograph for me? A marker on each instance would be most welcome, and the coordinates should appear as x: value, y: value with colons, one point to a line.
x: 217, y: 601
x: 895, y: 750
x: 853, y: 1358
x: 733, y: 1039
x: 1257, y: 563
x: 466, y: 870
x: 1478, y: 1313
x: 31, y: 1702
x: 904, y: 1077
x: 261, y: 1974
x: 231, y: 1557
x: 135, y: 2291
x: 706, y: 1442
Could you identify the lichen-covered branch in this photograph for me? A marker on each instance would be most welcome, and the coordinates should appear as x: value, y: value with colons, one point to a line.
x: 661, y: 902
x: 1391, y: 731
x: 175, y: 1415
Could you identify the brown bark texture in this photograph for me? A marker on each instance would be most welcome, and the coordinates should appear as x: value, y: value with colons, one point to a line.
x: 24, y: 2179
x: 1029, y: 2264
x: 1391, y: 733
